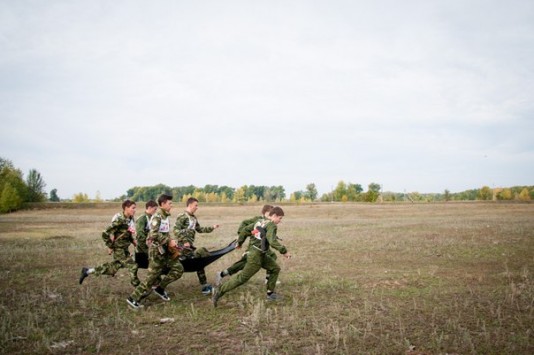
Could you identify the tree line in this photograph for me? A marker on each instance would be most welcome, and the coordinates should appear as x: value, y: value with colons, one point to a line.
x: 15, y: 190
x: 208, y: 193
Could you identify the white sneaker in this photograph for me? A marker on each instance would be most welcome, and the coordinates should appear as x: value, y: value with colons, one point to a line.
x: 162, y: 294
x: 133, y: 303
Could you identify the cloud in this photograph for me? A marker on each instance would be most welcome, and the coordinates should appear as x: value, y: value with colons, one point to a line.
x: 277, y: 93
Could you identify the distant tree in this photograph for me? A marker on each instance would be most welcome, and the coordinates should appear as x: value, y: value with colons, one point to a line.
x: 53, y: 196
x: 80, y: 197
x: 36, y: 186
x: 239, y: 195
x: 354, y: 192
x: 340, y: 191
x: 12, y: 177
x: 199, y: 195
x: 212, y: 197
x: 275, y: 193
x: 311, y: 192
x: 327, y: 197
x: 447, y: 195
x: 10, y: 199
x: 485, y: 193
x: 505, y: 194
x: 524, y: 195
x: 297, y: 195
x: 373, y: 191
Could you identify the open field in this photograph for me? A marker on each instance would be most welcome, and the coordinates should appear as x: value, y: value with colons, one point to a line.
x: 364, y: 278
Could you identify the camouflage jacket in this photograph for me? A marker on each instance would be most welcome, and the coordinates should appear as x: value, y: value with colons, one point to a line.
x: 160, y: 228
x: 263, y: 236
x: 242, y: 232
x: 120, y: 233
x: 186, y: 227
x: 142, y: 227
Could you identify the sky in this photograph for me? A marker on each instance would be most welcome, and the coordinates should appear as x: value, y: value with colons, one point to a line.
x: 417, y: 96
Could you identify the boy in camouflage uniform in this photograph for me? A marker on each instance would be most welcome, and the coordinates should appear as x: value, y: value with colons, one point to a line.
x: 264, y: 237
x: 118, y: 236
x: 185, y: 228
x: 142, y: 227
x: 243, y: 234
x: 163, y: 253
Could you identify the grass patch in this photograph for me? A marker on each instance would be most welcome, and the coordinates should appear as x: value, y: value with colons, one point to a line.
x: 421, y: 278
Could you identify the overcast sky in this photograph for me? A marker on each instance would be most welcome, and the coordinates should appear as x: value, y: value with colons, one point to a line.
x: 413, y: 95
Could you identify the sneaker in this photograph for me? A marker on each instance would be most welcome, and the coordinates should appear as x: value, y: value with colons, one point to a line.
x: 162, y: 294
x: 218, y: 278
x: 84, y: 274
x: 133, y: 303
x: 207, y: 289
x: 273, y: 297
x: 216, y: 294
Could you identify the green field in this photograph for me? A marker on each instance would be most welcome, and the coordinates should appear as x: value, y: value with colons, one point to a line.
x: 450, y: 278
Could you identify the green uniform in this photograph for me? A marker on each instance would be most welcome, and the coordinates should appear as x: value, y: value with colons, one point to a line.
x: 258, y: 258
x: 161, y: 260
x: 243, y: 233
x: 142, y: 227
x: 118, y: 236
x: 185, y: 228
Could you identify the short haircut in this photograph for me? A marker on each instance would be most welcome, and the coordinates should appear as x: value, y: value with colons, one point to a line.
x: 151, y: 203
x: 277, y: 211
x: 127, y: 203
x: 190, y: 200
x: 164, y: 198
x: 265, y: 209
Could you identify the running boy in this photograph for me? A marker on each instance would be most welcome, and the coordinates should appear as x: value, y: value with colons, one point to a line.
x: 264, y: 237
x: 185, y: 228
x: 142, y: 227
x: 163, y: 254
x: 243, y: 234
x: 118, y: 236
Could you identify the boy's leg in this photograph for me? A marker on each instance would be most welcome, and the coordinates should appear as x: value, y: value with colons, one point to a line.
x: 234, y: 269
x: 107, y: 269
x: 271, y: 254
x: 132, y: 267
x: 253, y: 265
x: 238, y: 265
x: 152, y: 277
x: 176, y: 271
x: 201, y: 274
x: 273, y: 270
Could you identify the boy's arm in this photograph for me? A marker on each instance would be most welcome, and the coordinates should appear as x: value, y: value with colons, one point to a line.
x: 108, y: 235
x: 200, y: 229
x: 245, y: 223
x: 244, y: 233
x: 273, y: 240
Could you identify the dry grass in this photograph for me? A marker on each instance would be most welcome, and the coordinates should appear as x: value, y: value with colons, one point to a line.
x: 402, y: 279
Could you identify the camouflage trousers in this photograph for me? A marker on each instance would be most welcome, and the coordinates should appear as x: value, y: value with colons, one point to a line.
x: 121, y: 259
x: 240, y: 264
x: 256, y: 260
x: 162, y: 270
